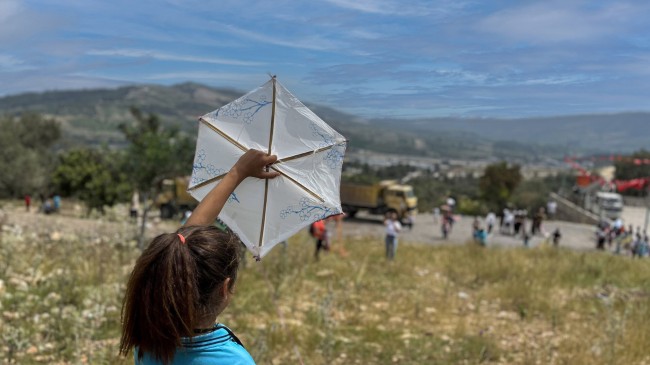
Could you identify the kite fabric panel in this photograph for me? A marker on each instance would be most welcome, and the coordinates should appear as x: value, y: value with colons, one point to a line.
x: 290, y: 208
x: 297, y: 129
x: 214, y: 156
x: 247, y: 119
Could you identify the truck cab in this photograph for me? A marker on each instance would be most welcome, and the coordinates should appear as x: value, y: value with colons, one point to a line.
x: 609, y: 205
x: 174, y: 198
x: 379, y: 198
x: 400, y: 198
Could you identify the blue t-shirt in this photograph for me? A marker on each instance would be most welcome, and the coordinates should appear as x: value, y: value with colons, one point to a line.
x: 219, y: 347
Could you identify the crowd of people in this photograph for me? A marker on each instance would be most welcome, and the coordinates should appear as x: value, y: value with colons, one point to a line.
x: 610, y: 235
x: 511, y: 222
x: 49, y: 205
x: 616, y: 237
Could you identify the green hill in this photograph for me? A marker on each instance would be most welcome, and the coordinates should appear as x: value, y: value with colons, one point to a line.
x: 91, y: 117
x: 621, y: 132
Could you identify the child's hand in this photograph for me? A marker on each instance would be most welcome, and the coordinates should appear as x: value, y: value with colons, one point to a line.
x: 253, y: 163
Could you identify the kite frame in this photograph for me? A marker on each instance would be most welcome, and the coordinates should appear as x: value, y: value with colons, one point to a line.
x: 273, y: 166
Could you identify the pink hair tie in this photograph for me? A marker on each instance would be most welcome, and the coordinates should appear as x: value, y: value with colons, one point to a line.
x: 181, y: 237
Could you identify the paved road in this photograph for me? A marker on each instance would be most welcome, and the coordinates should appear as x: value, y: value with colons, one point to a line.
x: 634, y: 216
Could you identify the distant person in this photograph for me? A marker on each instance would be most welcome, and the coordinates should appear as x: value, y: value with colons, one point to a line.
x: 508, y: 221
x: 490, y: 221
x: 28, y: 202
x: 410, y: 220
x: 551, y: 209
x: 475, y: 225
x: 393, y: 228
x: 447, y: 223
x: 48, y: 207
x: 523, y: 217
x: 618, y: 224
x: 451, y: 203
x: 436, y: 215
x: 319, y: 232
x: 480, y: 236
x: 135, y: 205
x: 518, y: 222
x: 538, y: 218
x: 557, y: 235
x: 56, y: 202
x: 526, y: 238
x: 641, y: 247
x: 601, y: 237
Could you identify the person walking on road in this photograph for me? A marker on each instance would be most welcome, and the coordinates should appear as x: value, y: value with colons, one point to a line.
x: 490, y: 221
x: 393, y: 227
x: 319, y: 232
x: 556, y: 237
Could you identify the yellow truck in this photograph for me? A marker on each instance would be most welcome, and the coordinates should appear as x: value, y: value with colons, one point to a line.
x: 174, y: 198
x: 378, y: 198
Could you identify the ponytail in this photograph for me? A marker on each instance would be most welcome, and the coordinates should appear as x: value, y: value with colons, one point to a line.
x: 172, y: 285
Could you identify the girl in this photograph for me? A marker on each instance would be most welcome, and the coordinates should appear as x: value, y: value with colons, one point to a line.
x: 184, y: 280
x: 393, y: 227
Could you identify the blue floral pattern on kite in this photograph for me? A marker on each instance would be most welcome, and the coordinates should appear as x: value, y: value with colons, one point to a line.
x: 199, y: 166
x: 334, y: 156
x: 243, y: 107
x: 233, y: 198
x: 327, y: 138
x: 308, y: 211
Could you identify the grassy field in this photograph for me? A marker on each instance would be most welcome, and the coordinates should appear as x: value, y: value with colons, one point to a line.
x: 60, y: 297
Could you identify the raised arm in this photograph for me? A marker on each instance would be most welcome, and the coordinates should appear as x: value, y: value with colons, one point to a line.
x: 252, y: 164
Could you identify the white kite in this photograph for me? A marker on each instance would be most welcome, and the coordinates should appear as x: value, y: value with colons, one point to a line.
x: 310, y: 156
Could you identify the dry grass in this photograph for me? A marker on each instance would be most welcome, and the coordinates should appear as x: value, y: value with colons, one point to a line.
x: 60, y: 298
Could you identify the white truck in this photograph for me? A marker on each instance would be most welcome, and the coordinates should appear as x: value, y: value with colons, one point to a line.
x: 605, y: 204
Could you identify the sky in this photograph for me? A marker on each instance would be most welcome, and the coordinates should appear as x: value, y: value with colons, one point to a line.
x: 371, y: 58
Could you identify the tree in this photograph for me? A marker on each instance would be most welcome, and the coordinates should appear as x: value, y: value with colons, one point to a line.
x: 26, y: 161
x: 93, y: 176
x: 634, y: 167
x: 498, y: 182
x: 154, y: 154
x: 627, y: 169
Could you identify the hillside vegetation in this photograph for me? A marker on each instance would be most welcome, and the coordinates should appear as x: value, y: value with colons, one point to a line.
x: 62, y: 281
x: 598, y: 133
x: 91, y: 117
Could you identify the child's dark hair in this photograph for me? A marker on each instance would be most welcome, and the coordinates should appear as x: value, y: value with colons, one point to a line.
x: 172, y: 285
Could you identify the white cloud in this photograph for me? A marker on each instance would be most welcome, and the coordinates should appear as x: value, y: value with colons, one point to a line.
x: 9, y: 63
x: 39, y: 81
x: 363, y: 34
x: 315, y: 43
x: 19, y: 22
x: 557, y: 21
x: 9, y: 9
x: 399, y: 8
x: 143, y: 53
x: 560, y: 80
x: 200, y: 76
x: 365, y: 6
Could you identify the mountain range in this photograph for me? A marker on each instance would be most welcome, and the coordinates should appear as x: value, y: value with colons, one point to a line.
x: 91, y: 117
